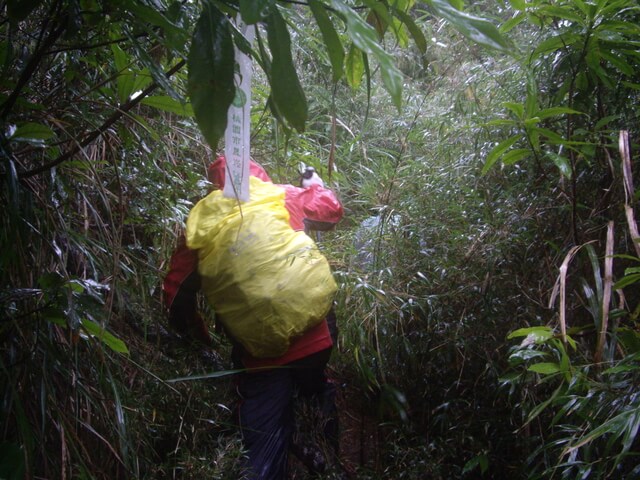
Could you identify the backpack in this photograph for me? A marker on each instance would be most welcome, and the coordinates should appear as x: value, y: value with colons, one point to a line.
x: 267, y: 283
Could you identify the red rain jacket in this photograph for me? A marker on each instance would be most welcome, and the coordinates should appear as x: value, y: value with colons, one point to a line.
x: 181, y: 284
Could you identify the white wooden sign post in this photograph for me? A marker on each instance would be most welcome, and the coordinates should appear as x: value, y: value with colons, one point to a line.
x: 237, y: 134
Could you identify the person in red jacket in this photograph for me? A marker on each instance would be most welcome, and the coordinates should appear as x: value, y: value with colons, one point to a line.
x: 265, y: 412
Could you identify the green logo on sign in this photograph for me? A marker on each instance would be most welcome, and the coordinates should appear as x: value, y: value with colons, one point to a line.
x: 240, y: 99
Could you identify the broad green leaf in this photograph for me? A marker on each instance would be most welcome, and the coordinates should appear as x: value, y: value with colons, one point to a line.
x: 168, y: 104
x: 498, y: 151
x: 531, y: 104
x: 110, y: 340
x: 287, y: 92
x: 126, y: 86
x: 364, y: 37
x: 126, y: 80
x: 551, y: 136
x: 556, y: 111
x: 545, y: 368
x: 478, y: 29
x: 525, y: 354
x: 556, y: 43
x: 594, y: 61
x: 121, y: 60
x: 330, y: 37
x: 538, y: 334
x: 531, y: 122
x: 618, y: 63
x: 563, y: 164
x: 354, y: 67
x: 516, y: 108
x: 254, y: 11
x: 518, y: 4
x: 18, y: 10
x: 32, y: 131
x: 561, y: 13
x: 510, y: 24
x: 514, y: 156
x: 600, y: 124
x: 211, y: 67
x: 416, y: 33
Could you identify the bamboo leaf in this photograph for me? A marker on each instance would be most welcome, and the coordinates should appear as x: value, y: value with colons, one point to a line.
x: 498, y: 151
x: 626, y: 281
x: 155, y: 70
x: 330, y: 37
x: 205, y: 376
x: 615, y: 426
x: 211, y: 67
x: 378, y: 16
x: 364, y: 37
x: 475, y: 28
x: 545, y: 368
x: 542, y: 406
x: 110, y: 340
x: 414, y: 30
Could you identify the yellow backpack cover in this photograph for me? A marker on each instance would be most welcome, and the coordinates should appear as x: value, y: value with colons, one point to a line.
x: 266, y: 282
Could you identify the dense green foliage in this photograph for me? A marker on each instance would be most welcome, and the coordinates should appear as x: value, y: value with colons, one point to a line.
x: 488, y: 260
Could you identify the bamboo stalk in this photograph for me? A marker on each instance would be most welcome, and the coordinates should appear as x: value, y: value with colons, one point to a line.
x: 560, y: 288
x: 623, y: 144
x: 606, y: 297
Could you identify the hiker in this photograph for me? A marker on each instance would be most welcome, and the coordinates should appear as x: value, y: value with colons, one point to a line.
x: 265, y: 411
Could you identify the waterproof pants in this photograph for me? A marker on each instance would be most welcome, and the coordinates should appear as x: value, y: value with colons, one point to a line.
x: 266, y: 411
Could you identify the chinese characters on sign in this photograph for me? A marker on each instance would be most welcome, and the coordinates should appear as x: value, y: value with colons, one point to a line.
x: 236, y: 138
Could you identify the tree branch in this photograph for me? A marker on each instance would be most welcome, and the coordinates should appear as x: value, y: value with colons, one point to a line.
x: 30, y: 69
x: 100, y: 130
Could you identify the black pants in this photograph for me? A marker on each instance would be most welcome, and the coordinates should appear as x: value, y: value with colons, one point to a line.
x: 266, y: 411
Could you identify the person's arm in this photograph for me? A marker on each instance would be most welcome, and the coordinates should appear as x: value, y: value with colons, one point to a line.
x: 180, y: 289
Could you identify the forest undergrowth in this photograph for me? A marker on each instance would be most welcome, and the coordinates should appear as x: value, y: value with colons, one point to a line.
x: 488, y: 260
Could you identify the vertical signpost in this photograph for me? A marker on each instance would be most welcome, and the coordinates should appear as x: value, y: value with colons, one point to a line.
x: 237, y: 134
